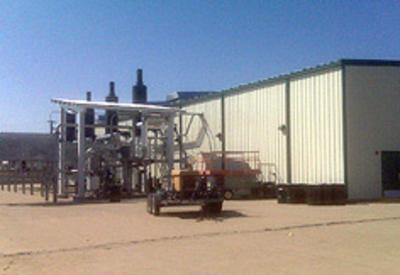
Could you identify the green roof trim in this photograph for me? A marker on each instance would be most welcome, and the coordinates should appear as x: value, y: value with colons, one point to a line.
x: 370, y: 62
x: 284, y: 77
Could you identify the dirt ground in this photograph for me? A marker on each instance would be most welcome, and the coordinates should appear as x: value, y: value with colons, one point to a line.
x: 249, y: 237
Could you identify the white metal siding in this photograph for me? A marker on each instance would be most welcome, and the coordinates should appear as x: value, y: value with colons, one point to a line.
x: 372, y: 114
x: 252, y: 121
x: 202, y: 135
x: 316, y: 111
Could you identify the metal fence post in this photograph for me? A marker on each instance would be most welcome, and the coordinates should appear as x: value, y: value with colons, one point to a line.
x: 15, y: 186
x: 46, y: 187
x: 55, y: 190
x: 41, y: 189
x: 32, y: 191
x: 23, y: 186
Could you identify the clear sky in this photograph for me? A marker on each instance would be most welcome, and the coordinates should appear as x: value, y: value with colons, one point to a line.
x: 65, y: 48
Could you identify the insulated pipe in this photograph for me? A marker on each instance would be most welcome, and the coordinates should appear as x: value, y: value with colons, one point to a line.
x: 170, y: 148
x: 61, y: 160
x: 81, y: 155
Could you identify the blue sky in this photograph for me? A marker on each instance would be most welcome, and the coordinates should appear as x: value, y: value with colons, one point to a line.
x: 65, y: 48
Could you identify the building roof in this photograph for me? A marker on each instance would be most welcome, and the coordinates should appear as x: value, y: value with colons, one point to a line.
x: 185, y: 95
x: 28, y: 146
x: 285, y: 77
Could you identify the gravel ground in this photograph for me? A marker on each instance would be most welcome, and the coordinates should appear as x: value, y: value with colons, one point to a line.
x: 249, y: 237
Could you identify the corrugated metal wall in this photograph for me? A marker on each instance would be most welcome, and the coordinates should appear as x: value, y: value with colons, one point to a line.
x: 316, y: 113
x: 202, y: 135
x: 252, y: 122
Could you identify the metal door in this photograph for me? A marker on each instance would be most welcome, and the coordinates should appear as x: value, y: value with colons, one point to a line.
x: 390, y: 170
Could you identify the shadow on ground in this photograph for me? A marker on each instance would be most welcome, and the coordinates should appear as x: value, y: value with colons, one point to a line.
x: 376, y: 201
x: 253, y: 199
x: 70, y: 203
x: 200, y: 215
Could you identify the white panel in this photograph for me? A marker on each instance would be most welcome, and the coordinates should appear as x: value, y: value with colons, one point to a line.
x: 372, y: 114
x: 202, y: 135
x: 316, y: 110
x: 252, y: 121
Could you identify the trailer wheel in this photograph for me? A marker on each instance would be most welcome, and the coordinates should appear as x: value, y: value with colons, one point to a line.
x: 155, y: 205
x: 228, y: 195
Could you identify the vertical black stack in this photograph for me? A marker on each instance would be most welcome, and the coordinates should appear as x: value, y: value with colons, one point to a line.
x: 89, y: 119
x: 111, y: 116
x: 139, y: 95
x: 139, y: 91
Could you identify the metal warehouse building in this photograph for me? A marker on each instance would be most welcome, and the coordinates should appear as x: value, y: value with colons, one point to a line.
x: 332, y: 124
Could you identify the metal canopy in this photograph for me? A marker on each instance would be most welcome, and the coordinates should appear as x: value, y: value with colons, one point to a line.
x: 80, y: 105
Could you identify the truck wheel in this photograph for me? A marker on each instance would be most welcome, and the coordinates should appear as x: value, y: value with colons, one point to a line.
x: 216, y: 207
x: 155, y: 206
x: 212, y: 208
x: 228, y: 195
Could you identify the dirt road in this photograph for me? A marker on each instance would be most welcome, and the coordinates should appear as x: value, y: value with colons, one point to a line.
x: 250, y: 237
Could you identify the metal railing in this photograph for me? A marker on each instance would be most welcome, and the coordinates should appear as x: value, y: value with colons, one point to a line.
x: 231, y: 162
x: 29, y: 180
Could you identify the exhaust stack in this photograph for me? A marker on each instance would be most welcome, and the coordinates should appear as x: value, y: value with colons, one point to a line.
x: 139, y: 91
